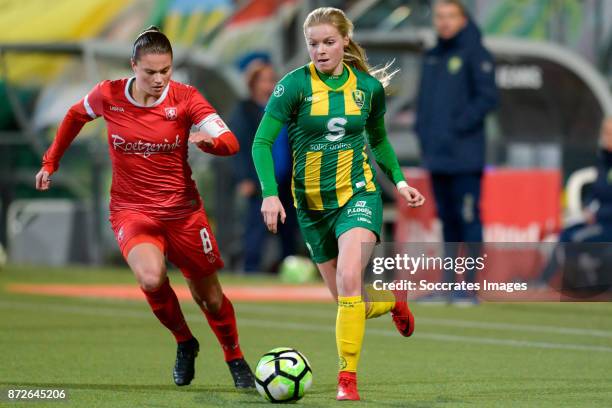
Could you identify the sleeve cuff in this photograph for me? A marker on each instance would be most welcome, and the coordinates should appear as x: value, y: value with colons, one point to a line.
x: 401, y: 184
x: 268, y: 191
x: 49, y: 168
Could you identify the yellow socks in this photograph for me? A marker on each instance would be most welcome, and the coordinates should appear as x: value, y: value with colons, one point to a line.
x: 350, y: 326
x: 350, y: 323
x: 380, y: 302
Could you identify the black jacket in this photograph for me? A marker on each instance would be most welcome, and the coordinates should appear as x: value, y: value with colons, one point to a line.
x: 457, y: 90
x: 601, y: 191
x: 244, y: 122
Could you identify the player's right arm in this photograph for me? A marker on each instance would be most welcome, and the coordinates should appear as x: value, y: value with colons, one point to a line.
x: 87, y: 109
x: 271, y: 207
x: 281, y: 105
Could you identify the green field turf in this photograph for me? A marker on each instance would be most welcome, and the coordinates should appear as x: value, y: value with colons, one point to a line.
x: 108, y: 353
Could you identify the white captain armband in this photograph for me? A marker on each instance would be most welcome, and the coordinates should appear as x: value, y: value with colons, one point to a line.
x: 213, y: 125
x: 88, y: 108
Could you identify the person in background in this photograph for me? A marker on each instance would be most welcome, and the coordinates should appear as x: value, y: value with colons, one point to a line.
x: 597, y: 224
x: 261, y: 78
x: 457, y: 90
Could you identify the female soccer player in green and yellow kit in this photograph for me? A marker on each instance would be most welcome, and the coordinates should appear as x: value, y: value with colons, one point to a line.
x: 327, y: 104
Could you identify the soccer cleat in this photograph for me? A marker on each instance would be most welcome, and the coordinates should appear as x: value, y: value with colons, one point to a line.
x: 184, y: 367
x: 347, y: 386
x: 241, y: 373
x: 401, y: 314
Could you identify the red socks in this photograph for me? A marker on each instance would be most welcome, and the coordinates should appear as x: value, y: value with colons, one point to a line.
x: 223, y: 324
x: 166, y: 307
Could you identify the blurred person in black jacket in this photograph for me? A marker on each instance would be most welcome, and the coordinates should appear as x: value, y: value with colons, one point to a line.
x: 261, y: 78
x: 597, y: 214
x: 456, y: 92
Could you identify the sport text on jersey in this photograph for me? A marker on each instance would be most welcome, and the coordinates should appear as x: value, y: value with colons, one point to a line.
x: 146, y: 149
x: 317, y: 147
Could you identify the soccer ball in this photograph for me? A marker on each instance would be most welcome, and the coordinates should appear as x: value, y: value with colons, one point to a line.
x: 283, y: 375
x: 297, y: 269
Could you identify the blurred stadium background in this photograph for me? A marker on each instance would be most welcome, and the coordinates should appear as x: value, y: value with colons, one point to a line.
x: 87, y: 329
x: 554, y: 71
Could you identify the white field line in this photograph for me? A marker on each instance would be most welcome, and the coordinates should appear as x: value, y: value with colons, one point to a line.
x: 434, y: 321
x: 289, y: 311
x: 261, y: 323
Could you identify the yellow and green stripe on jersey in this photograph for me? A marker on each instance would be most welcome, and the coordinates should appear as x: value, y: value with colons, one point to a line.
x: 326, y: 133
x: 346, y: 174
x: 352, y: 97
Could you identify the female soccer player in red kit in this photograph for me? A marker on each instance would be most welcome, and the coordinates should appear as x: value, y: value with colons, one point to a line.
x: 155, y: 208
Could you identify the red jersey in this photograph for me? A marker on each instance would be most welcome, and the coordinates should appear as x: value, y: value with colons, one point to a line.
x: 147, y: 144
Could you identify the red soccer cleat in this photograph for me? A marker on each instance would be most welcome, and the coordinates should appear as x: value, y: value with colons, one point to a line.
x: 347, y: 386
x: 401, y: 314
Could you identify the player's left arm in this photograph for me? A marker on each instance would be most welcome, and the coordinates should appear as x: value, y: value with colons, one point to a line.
x: 213, y: 135
x: 383, y: 151
x: 387, y: 161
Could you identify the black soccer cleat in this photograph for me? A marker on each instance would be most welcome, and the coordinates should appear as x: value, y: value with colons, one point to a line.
x: 241, y: 373
x: 184, y: 367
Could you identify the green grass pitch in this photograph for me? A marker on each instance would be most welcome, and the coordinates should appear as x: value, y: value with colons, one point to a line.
x: 113, y: 353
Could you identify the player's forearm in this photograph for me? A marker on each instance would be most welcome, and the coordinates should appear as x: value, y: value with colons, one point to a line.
x: 383, y: 151
x: 70, y: 127
x: 268, y: 131
x: 224, y: 145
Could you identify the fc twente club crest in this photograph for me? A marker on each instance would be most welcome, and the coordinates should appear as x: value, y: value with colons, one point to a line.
x: 359, y: 97
x: 170, y: 113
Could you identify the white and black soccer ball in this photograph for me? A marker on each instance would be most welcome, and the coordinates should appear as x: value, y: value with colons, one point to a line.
x: 283, y: 375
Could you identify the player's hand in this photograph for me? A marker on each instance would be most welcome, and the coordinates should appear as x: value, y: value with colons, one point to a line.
x: 43, y: 180
x: 201, y: 139
x: 271, y: 208
x: 412, y: 196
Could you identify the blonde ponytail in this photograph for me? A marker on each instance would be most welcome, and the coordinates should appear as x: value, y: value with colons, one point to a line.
x: 354, y: 54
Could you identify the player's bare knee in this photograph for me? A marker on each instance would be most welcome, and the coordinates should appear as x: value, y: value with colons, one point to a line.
x: 213, y: 303
x: 196, y: 297
x: 348, y: 282
x: 208, y: 301
x: 151, y: 284
x: 150, y: 277
x: 206, y: 298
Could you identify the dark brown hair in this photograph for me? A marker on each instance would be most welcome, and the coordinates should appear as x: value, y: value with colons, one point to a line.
x: 151, y: 41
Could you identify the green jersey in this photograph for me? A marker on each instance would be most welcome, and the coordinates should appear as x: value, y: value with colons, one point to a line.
x: 326, y: 134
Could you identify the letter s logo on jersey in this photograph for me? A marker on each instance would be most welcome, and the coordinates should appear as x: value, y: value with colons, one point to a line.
x: 336, y: 129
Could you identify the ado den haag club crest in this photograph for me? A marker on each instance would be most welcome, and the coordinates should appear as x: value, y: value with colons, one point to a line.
x: 359, y: 97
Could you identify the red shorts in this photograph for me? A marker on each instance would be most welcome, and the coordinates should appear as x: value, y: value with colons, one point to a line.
x: 187, y: 242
